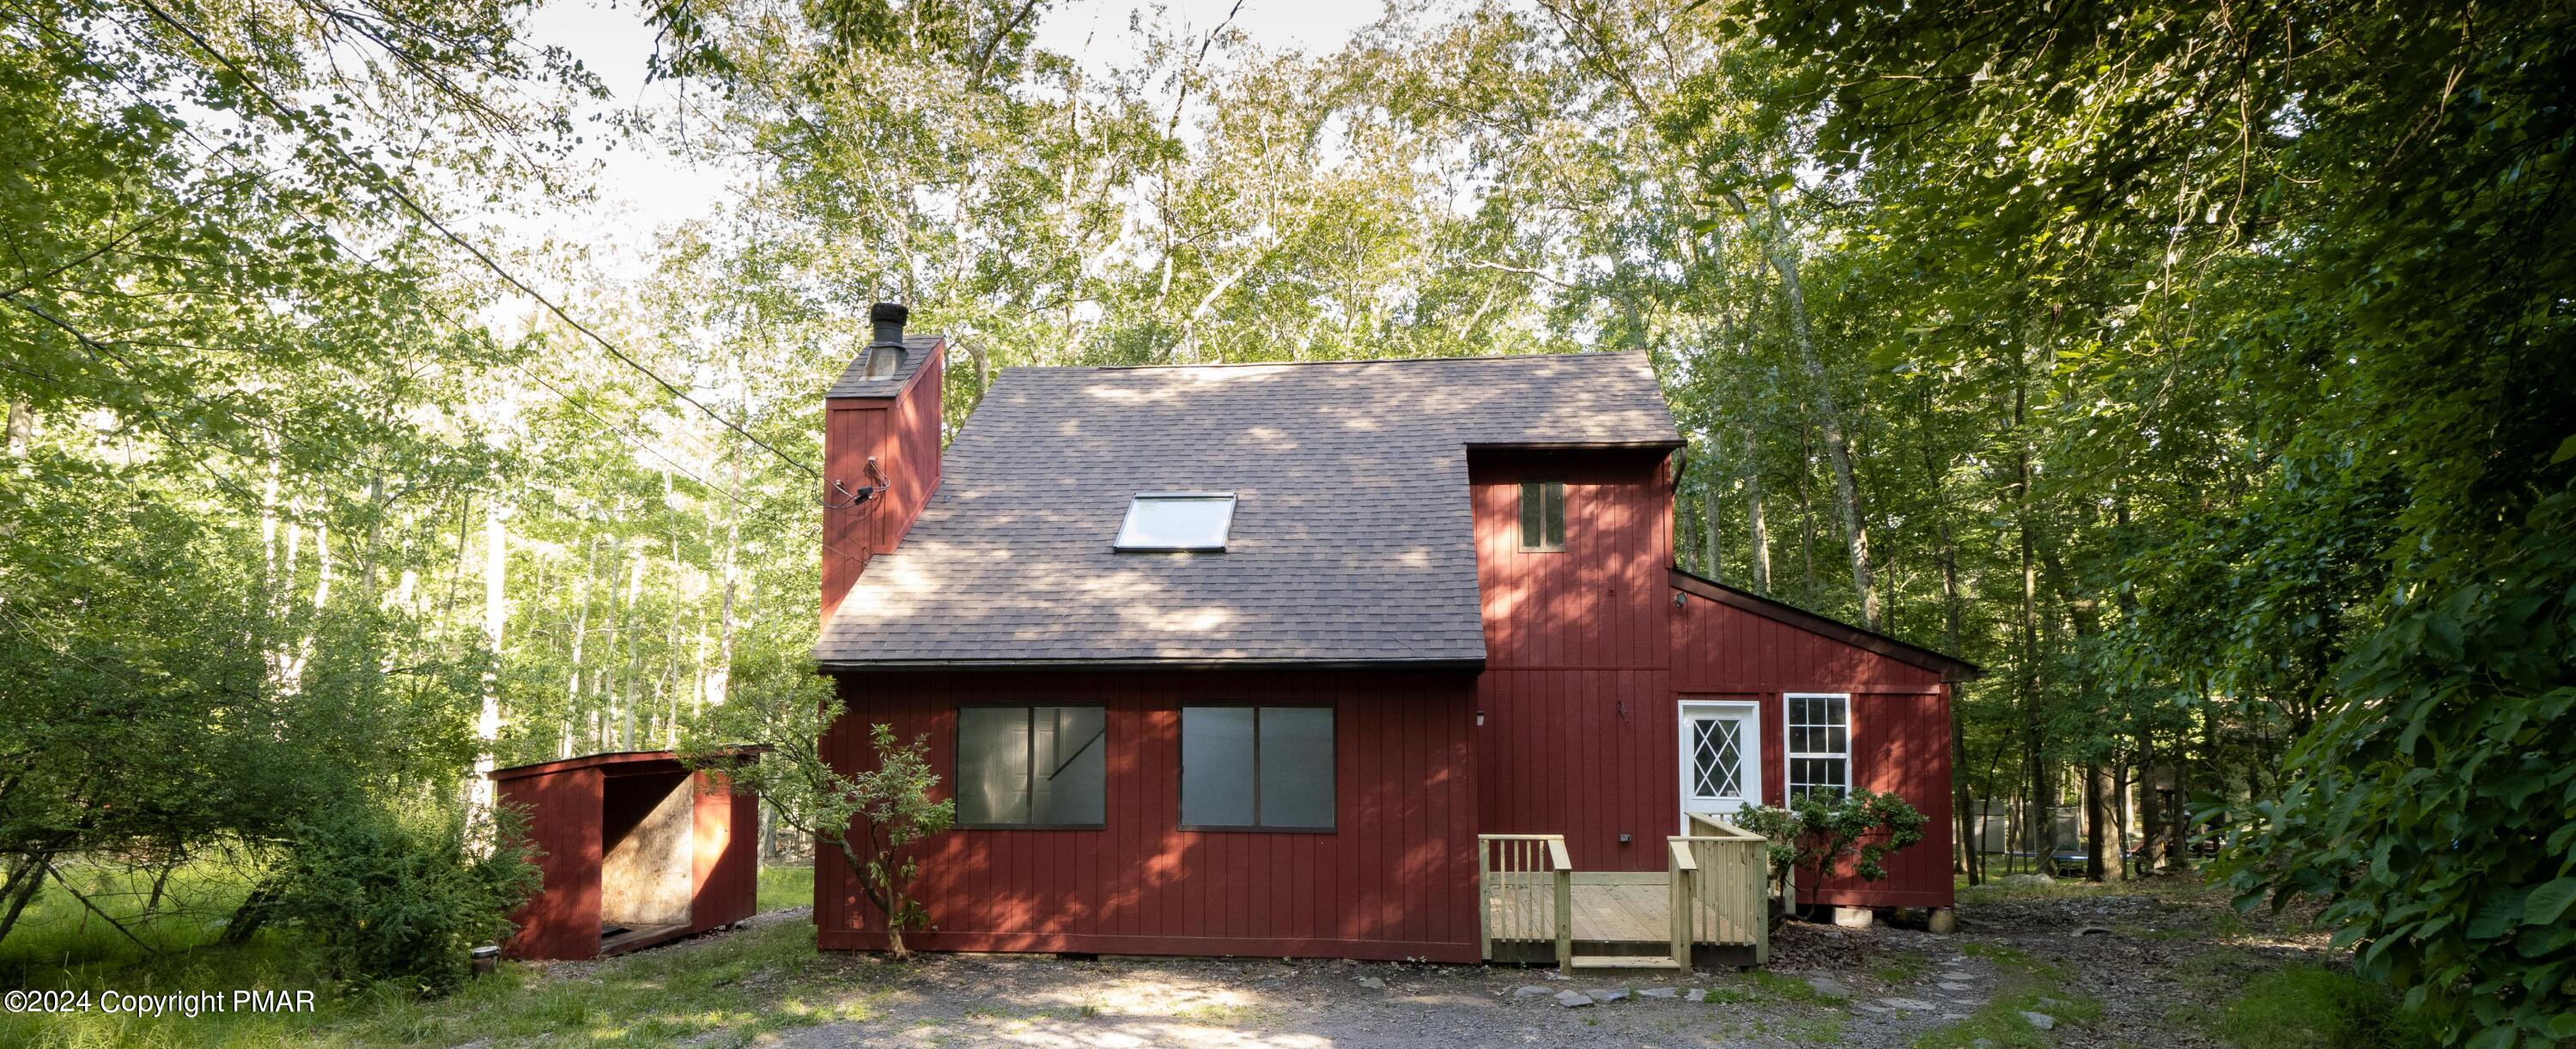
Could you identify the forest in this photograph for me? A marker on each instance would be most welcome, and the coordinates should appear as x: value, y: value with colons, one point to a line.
x: 2203, y: 370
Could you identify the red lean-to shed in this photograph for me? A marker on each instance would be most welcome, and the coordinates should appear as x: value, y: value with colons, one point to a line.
x: 637, y: 850
x: 1377, y: 659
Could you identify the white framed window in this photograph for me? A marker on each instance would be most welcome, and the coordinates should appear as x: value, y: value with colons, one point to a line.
x: 1177, y: 521
x: 1819, y: 745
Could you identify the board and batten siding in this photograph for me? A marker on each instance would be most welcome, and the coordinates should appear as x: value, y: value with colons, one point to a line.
x: 1394, y: 879
x: 1576, y: 657
x: 1900, y: 730
x: 1588, y: 658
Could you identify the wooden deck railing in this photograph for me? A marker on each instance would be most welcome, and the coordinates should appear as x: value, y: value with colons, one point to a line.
x: 1526, y: 885
x: 1720, y: 889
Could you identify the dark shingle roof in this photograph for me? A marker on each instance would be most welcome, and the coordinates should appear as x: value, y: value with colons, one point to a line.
x: 1353, y: 540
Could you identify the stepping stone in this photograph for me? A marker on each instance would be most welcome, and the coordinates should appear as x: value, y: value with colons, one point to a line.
x: 1871, y: 1009
x: 2043, y: 1021
x: 1695, y: 995
x: 1372, y: 983
x: 1828, y: 986
x: 1572, y: 999
x: 1607, y: 994
x: 1954, y: 985
x: 1533, y: 991
x: 1912, y: 1004
x: 1659, y: 992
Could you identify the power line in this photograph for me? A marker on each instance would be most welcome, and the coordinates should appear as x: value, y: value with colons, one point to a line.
x: 386, y: 183
x: 633, y: 442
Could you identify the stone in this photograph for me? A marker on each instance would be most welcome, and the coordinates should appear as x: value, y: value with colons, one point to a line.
x: 1554, y: 975
x: 1659, y: 992
x: 1982, y: 1043
x: 2046, y: 1002
x: 1695, y: 994
x: 1828, y: 987
x: 2029, y: 879
x: 2043, y: 1021
x: 1909, y: 1004
x: 1870, y: 1009
x: 2092, y: 930
x: 1533, y: 991
x: 1942, y: 920
x: 1607, y: 994
x: 1854, y: 917
x: 1955, y: 986
x: 1372, y: 983
x: 1572, y: 999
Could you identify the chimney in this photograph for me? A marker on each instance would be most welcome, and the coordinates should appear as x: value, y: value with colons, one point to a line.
x: 881, y: 429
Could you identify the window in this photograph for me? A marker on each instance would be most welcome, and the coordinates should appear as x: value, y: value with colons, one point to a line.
x: 1031, y: 766
x: 1168, y: 521
x: 1542, y: 515
x: 1819, y: 744
x: 1267, y: 768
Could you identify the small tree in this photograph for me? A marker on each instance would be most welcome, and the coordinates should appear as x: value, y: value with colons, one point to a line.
x: 1819, y: 832
x: 871, y: 818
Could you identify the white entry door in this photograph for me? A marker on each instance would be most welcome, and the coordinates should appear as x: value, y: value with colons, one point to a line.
x: 1721, y: 758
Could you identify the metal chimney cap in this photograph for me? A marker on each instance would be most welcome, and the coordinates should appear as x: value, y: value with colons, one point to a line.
x: 889, y: 312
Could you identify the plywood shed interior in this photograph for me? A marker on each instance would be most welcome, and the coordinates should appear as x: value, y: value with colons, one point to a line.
x: 636, y: 850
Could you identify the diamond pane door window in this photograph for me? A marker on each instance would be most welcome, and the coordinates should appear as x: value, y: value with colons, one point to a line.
x: 1721, y: 759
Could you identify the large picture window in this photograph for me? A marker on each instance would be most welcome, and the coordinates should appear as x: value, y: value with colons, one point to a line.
x: 1819, y: 744
x: 1257, y: 768
x: 1031, y: 766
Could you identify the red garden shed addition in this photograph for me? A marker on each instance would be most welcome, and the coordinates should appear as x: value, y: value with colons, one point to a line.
x: 637, y: 849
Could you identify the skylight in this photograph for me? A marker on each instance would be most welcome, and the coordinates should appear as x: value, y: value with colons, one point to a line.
x: 1177, y: 521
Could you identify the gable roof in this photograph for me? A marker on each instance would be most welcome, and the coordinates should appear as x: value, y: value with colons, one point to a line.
x: 1951, y: 668
x: 1353, y: 538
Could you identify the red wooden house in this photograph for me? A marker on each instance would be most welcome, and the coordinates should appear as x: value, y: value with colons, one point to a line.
x: 1377, y: 659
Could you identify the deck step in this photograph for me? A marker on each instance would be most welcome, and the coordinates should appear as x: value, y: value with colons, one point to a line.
x: 1623, y: 961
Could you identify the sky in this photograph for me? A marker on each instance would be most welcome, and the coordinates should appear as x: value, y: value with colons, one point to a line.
x: 642, y: 190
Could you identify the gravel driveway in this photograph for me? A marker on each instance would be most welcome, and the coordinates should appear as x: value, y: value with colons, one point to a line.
x: 2143, y: 955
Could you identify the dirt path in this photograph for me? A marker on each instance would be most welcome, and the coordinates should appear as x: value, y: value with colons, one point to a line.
x: 2118, y: 967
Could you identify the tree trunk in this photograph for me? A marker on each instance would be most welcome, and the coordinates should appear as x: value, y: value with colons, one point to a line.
x: 487, y: 726
x: 25, y: 877
x: 22, y: 427
x: 2098, y: 855
x: 1759, y: 542
x: 1828, y: 417
x: 1708, y: 535
x: 2043, y: 829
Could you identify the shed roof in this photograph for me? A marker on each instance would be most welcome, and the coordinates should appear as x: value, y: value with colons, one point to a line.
x: 1353, y: 538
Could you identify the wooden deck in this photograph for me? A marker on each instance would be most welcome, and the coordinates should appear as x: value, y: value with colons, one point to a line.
x: 1538, y: 908
x: 1627, y: 908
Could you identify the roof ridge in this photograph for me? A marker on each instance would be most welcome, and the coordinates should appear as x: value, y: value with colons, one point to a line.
x: 1355, y: 360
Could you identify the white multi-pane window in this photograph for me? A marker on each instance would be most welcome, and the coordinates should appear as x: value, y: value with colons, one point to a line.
x: 1819, y: 744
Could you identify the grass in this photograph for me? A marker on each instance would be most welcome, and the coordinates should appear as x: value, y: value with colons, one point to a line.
x: 786, y: 887
x: 1760, y: 985
x: 753, y: 982
x: 2301, y: 1006
x: 1903, y: 968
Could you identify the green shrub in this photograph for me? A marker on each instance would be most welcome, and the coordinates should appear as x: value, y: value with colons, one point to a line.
x: 401, y: 897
